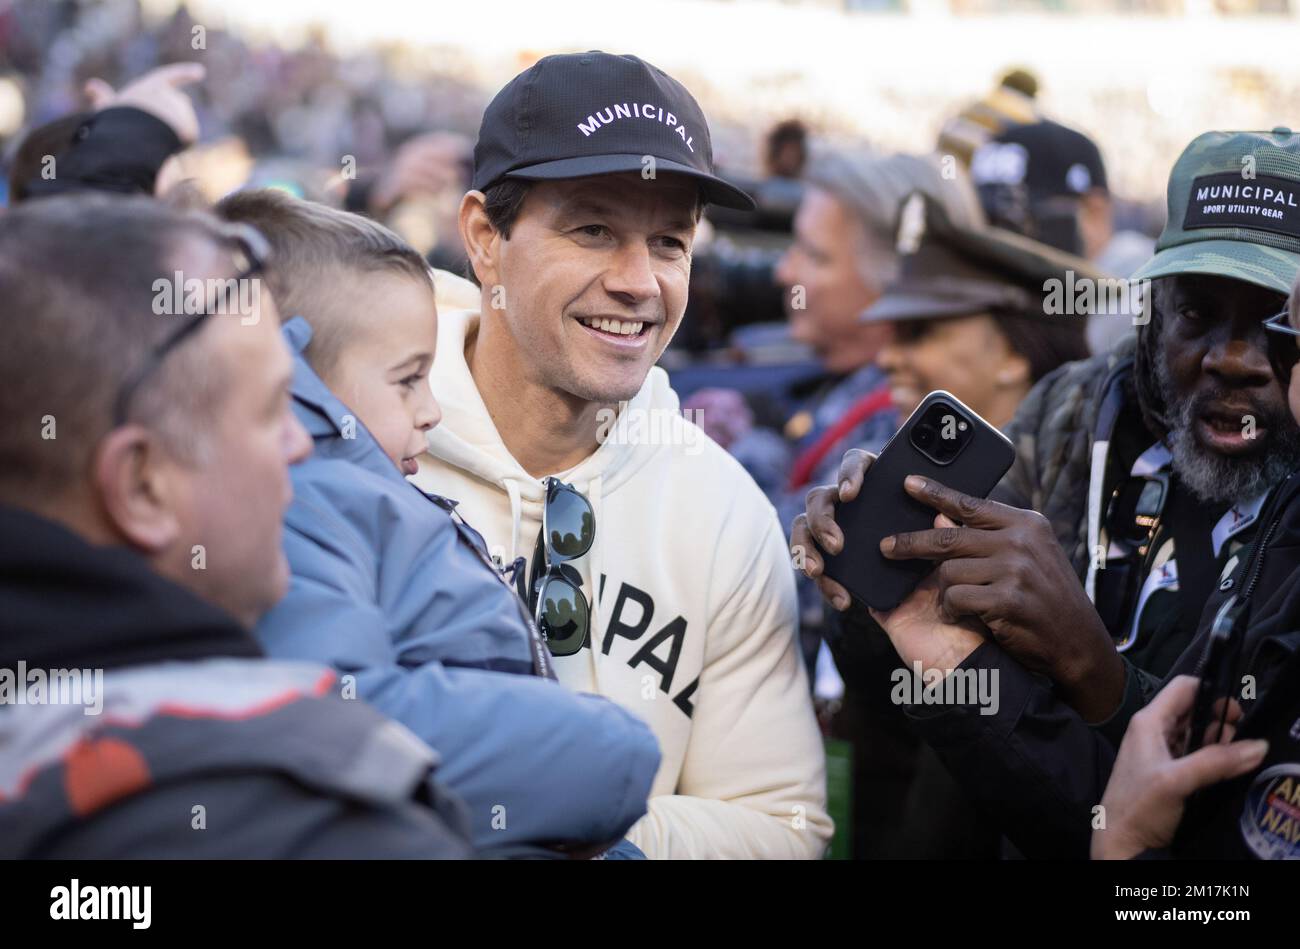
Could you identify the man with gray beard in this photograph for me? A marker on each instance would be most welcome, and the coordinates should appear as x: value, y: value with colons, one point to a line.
x: 1221, y: 476
x: 1138, y: 481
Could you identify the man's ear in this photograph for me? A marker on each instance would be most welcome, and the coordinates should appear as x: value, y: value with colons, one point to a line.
x: 479, y: 237
x: 135, y: 481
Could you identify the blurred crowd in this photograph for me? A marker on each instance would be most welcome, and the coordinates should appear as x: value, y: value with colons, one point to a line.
x: 268, y: 113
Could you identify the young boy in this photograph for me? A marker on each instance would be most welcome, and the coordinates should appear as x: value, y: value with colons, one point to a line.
x: 389, y: 585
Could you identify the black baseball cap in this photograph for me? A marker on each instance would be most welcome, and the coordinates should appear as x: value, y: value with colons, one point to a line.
x: 1029, y: 176
x: 576, y: 115
x: 1047, y: 158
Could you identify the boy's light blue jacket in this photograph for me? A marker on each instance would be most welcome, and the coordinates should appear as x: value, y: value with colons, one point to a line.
x: 390, y: 586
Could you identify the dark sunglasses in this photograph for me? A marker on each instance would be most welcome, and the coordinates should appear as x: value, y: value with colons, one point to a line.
x: 1283, y: 344
x: 560, y: 608
x: 251, y: 254
x: 1133, y: 521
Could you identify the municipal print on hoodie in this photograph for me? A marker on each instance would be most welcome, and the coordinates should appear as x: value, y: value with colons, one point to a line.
x: 694, y: 614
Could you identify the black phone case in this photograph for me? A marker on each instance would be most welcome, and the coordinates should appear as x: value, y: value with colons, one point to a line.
x: 883, y: 508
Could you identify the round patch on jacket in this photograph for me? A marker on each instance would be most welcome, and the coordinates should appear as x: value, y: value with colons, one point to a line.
x: 1270, y: 821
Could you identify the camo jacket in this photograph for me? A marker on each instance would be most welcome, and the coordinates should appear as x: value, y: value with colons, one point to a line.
x: 1053, y: 434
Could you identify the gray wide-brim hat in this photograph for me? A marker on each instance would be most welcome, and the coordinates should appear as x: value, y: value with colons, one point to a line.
x: 949, y: 271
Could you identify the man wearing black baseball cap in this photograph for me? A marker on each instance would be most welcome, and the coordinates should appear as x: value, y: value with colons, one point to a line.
x: 1047, y: 181
x: 1150, y: 467
x: 675, y: 597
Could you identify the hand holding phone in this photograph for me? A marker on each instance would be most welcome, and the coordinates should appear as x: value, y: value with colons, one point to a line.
x: 942, y: 439
x: 1003, y: 567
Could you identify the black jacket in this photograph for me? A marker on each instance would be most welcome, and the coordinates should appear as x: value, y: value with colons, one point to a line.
x: 1036, y: 769
x: 1040, y: 770
x: 138, y: 721
x: 1258, y: 815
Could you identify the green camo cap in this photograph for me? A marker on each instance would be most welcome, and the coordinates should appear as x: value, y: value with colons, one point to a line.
x: 1234, y: 210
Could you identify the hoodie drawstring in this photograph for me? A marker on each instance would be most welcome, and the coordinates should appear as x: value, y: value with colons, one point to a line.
x: 516, y: 514
x: 595, y: 489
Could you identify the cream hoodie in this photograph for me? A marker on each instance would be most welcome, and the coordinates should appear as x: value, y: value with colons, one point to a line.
x: 694, y: 617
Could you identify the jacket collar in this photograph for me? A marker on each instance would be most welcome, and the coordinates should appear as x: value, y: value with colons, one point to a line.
x: 334, y: 428
x: 327, y: 415
x: 1116, y: 390
x: 1112, y: 398
x: 65, y: 602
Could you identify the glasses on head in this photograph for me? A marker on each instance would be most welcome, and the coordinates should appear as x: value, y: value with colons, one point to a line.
x: 251, y: 254
x: 560, y: 608
x: 1283, y: 344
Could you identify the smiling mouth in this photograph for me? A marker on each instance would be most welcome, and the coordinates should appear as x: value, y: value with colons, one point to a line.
x: 904, y: 392
x: 616, y: 329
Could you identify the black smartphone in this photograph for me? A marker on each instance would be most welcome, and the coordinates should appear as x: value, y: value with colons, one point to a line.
x: 942, y: 440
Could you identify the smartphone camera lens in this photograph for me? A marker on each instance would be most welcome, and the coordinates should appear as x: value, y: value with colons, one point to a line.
x: 941, y: 433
